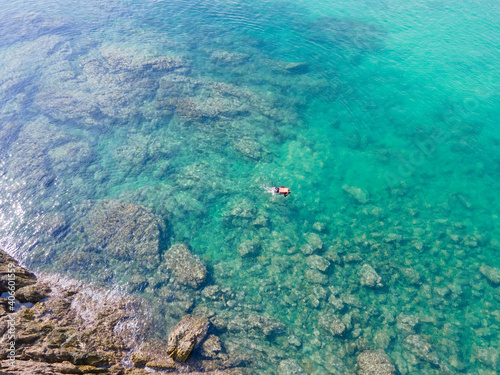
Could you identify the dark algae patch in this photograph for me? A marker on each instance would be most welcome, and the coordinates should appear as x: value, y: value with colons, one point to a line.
x: 137, y: 142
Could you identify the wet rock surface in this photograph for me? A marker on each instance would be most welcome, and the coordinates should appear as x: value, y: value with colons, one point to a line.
x: 186, y: 336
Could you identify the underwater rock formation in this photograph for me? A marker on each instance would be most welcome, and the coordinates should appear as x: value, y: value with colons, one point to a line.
x: 369, y: 277
x: 186, y: 268
x: 491, y: 273
x: 332, y: 324
x: 375, y: 363
x: 358, y: 194
x: 124, y: 231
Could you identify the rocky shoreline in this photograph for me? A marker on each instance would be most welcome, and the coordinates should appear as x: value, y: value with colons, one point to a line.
x: 64, y: 326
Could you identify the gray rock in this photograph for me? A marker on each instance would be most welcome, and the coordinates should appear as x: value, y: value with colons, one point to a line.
x: 353, y: 258
x: 317, y: 262
x: 186, y: 268
x: 491, y: 273
x: 375, y: 363
x: 332, y: 324
x: 351, y: 300
x: 290, y: 367
x: 211, y: 347
x: 369, y: 277
x: 307, y: 249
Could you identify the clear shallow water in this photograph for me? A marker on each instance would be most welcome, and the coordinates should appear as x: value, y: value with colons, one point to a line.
x: 398, y: 100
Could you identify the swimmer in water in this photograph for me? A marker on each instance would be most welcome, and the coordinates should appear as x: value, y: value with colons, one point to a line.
x: 277, y: 190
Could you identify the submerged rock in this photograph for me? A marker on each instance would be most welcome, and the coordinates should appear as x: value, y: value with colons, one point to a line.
x: 185, y: 336
x: 297, y: 68
x: 491, y: 273
x: 124, y: 231
x: 375, y: 363
x: 228, y: 58
x: 422, y: 349
x: 332, y: 324
x: 186, y: 268
x: 358, y: 194
x: 317, y: 262
x: 290, y: 367
x: 369, y: 277
x: 248, y: 248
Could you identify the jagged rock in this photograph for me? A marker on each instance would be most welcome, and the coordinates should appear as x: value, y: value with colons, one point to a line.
x: 186, y: 336
x: 186, y: 268
x: 375, y: 363
x: 491, y: 273
x: 212, y: 292
x: 358, y: 194
x: 165, y: 64
x: 337, y: 303
x: 243, y: 209
x: 290, y: 367
x: 294, y: 340
x: 369, y: 277
x: 422, y: 349
x: 332, y: 324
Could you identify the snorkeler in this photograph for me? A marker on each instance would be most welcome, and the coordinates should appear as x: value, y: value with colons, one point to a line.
x: 277, y: 190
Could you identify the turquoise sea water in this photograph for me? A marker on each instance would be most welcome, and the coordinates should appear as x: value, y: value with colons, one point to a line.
x: 381, y: 117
